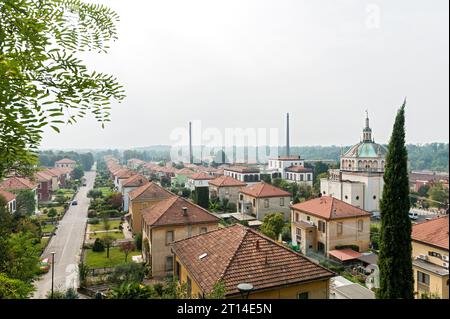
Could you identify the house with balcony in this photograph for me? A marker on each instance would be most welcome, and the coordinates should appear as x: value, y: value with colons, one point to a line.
x: 324, y: 224
x: 430, y: 253
x: 10, y: 200
x: 237, y: 254
x: 246, y: 174
x: 169, y: 220
x: 261, y: 199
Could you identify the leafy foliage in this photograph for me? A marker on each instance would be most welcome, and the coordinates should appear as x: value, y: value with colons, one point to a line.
x: 77, y: 173
x: 128, y: 273
x: 14, y: 288
x: 43, y: 82
x: 272, y: 225
x: 26, y: 203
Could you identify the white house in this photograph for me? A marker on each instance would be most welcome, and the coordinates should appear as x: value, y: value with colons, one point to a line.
x: 198, y: 180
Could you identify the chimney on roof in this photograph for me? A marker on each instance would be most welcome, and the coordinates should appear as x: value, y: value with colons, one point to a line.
x: 185, y: 211
x: 288, y: 151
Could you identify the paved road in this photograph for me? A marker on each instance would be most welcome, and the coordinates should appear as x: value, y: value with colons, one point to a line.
x: 67, y: 244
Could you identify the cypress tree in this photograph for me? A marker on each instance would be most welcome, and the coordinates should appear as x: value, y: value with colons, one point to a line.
x: 395, y: 263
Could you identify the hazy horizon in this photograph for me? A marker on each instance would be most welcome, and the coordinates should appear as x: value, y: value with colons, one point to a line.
x: 245, y: 64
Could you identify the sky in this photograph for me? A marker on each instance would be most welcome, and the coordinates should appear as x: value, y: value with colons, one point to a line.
x: 246, y: 63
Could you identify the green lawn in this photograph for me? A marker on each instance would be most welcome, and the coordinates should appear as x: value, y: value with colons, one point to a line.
x: 49, y: 228
x: 44, y: 241
x: 99, y: 260
x: 113, y: 234
x: 113, y: 224
x: 106, y: 191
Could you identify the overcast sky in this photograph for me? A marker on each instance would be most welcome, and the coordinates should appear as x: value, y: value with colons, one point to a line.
x: 239, y: 63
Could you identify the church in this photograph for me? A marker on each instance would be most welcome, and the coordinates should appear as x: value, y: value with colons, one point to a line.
x: 359, y: 181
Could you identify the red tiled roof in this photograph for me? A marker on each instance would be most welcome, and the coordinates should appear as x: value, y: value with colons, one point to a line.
x: 238, y: 254
x: 433, y: 232
x: 42, y: 176
x: 226, y: 181
x: 62, y: 170
x: 170, y: 212
x: 185, y: 171
x: 150, y: 191
x: 17, y: 183
x: 243, y: 169
x: 201, y: 176
x: 262, y: 190
x: 298, y: 169
x: 123, y: 173
x: 345, y: 254
x: 7, y: 195
x: 329, y: 208
x: 135, y: 181
x: 51, y: 172
x: 66, y: 161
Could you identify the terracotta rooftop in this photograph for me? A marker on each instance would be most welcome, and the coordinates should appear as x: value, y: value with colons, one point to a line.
x: 123, y: 173
x: 42, y: 176
x: 238, y: 254
x: 201, y: 176
x: 150, y: 191
x: 135, y: 181
x: 66, y: 161
x: 262, y: 190
x: 17, y: 183
x: 170, y: 212
x: 345, y: 254
x: 243, y: 169
x: 329, y: 208
x: 432, y: 232
x: 226, y: 181
x: 184, y: 171
x: 298, y: 169
x: 7, y: 195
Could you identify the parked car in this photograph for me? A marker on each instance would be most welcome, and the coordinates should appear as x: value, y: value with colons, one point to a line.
x: 74, y: 203
x: 44, y: 265
x: 413, y: 215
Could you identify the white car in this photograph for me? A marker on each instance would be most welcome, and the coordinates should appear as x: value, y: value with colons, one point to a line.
x: 413, y: 215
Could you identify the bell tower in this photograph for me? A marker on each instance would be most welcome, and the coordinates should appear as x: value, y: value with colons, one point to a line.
x: 367, y: 131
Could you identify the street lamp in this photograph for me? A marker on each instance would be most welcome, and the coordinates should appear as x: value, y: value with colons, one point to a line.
x: 245, y: 289
x: 53, y: 269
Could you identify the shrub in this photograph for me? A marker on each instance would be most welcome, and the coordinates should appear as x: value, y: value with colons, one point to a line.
x: 98, y: 246
x: 138, y: 241
x: 93, y: 221
x: 110, y: 213
x: 92, y: 213
x: 52, y: 212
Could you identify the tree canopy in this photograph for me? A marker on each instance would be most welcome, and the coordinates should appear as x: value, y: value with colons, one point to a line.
x: 42, y: 81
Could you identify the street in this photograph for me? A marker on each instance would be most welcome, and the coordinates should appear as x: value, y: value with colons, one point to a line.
x: 67, y: 244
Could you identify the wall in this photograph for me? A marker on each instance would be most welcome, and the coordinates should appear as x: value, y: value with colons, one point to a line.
x: 259, y: 210
x: 135, y: 208
x: 223, y: 192
x: 159, y: 250
x: 350, y: 234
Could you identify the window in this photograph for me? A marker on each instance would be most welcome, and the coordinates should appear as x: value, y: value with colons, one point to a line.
x: 189, y: 287
x: 296, y: 217
x: 169, y: 263
x: 266, y: 203
x: 321, y: 226
x: 340, y: 228
x: 308, y: 218
x: 178, y: 271
x: 309, y: 177
x: 241, y: 197
x: 360, y: 225
x: 282, y: 201
x: 423, y: 279
x: 254, y: 202
x: 203, y: 230
x: 301, y: 177
x: 346, y: 197
x: 357, y: 197
x: 298, y: 234
x: 169, y: 237
x: 374, y: 197
x: 303, y: 295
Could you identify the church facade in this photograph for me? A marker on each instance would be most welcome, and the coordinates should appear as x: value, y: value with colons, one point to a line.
x: 359, y: 181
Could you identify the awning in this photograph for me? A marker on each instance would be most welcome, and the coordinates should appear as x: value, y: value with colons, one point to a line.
x: 345, y: 254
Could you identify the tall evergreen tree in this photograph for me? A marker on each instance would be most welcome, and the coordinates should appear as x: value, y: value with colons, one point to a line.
x: 395, y: 263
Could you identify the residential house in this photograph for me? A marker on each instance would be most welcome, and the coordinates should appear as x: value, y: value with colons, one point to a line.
x: 249, y: 175
x: 143, y: 197
x: 44, y: 188
x: 237, y: 254
x: 225, y: 187
x: 15, y: 184
x: 181, y: 177
x: 326, y: 223
x: 55, y: 178
x: 430, y: 255
x: 290, y: 168
x: 63, y: 175
x: 65, y: 163
x: 121, y: 175
x: 198, y: 180
x: 262, y: 198
x: 135, y: 163
x: 130, y: 184
x: 10, y: 199
x: 172, y: 219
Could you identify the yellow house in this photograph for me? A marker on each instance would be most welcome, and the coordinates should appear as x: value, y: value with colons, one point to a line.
x: 430, y: 258
x: 236, y: 255
x: 143, y: 197
x: 172, y: 219
x: 326, y: 223
x: 262, y: 199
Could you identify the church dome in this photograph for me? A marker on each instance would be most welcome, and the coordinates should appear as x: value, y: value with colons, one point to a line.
x: 366, y: 149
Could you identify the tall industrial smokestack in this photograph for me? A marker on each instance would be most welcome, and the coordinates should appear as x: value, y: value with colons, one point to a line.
x: 288, y: 151
x: 191, y: 156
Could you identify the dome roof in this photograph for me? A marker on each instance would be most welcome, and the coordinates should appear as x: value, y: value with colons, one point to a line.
x: 366, y: 149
